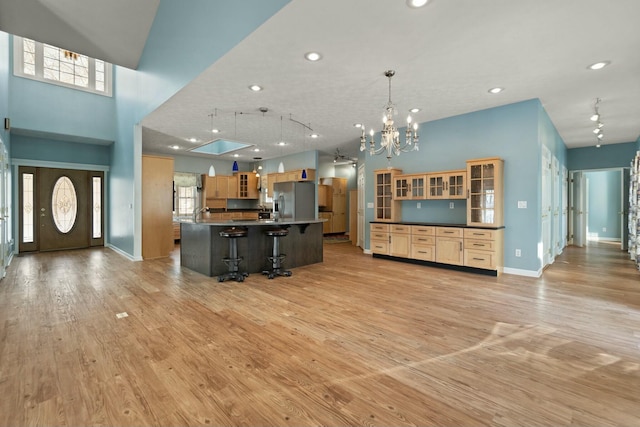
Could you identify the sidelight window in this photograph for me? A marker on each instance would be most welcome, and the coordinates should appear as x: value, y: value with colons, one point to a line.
x: 96, y: 210
x: 27, y: 208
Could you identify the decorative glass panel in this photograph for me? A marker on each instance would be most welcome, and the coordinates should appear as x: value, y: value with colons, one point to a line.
x: 96, y: 212
x: 64, y: 204
x: 27, y: 208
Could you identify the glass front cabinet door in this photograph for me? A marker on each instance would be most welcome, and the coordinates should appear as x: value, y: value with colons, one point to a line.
x: 387, y: 208
x: 485, y: 198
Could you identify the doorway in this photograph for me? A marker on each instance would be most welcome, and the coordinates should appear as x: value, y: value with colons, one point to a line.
x: 60, y: 209
x: 360, y: 212
x: 599, y: 206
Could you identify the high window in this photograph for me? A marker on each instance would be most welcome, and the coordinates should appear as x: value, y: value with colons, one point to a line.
x: 43, y: 62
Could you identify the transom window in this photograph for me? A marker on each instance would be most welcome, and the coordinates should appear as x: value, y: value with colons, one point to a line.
x: 43, y: 62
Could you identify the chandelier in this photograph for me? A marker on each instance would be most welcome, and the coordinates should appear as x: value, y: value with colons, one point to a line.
x: 390, y: 136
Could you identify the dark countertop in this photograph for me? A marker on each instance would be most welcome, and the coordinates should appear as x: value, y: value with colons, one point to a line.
x: 249, y: 222
x: 435, y: 224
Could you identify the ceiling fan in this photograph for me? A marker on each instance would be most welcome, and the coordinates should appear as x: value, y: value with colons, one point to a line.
x: 342, y: 159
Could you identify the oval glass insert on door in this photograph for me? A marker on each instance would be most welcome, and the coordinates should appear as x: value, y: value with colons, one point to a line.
x: 64, y: 204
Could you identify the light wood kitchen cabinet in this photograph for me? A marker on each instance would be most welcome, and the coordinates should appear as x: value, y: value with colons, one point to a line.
x: 379, y: 238
x: 339, y: 220
x: 423, y: 242
x: 336, y: 202
x: 385, y: 207
x: 325, y: 196
x: 484, y: 248
x: 327, y: 226
x: 232, y: 187
x: 247, y: 185
x: 485, y: 197
x: 409, y: 187
x: 446, y: 185
x: 215, y: 187
x: 400, y: 240
x: 293, y: 175
x: 157, y: 200
x: 250, y: 215
x: 449, y: 245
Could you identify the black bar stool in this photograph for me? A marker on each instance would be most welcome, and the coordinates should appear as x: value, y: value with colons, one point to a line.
x: 233, y: 260
x: 276, y: 259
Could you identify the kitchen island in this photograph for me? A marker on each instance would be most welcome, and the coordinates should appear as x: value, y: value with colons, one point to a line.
x: 202, y: 249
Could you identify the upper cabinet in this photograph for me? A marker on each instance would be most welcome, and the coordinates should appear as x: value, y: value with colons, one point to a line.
x: 485, y: 195
x: 386, y: 207
x: 446, y: 185
x: 247, y: 185
x: 409, y: 187
x: 293, y: 175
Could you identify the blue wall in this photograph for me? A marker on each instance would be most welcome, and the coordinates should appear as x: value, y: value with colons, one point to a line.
x: 513, y: 133
x: 32, y: 148
x: 183, y: 42
x: 607, y: 156
x: 604, y: 204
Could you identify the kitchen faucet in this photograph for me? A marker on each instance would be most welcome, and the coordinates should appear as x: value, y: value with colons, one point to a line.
x: 197, y: 212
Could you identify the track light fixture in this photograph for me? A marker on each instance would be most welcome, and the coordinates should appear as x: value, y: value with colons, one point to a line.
x: 599, y: 125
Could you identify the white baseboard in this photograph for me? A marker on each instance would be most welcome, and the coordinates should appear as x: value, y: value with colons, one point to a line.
x: 123, y: 253
x: 603, y: 239
x: 520, y: 272
x: 367, y: 251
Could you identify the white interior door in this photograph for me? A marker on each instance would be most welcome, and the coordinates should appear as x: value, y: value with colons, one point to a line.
x: 555, y: 208
x: 361, y: 199
x: 564, y: 203
x: 578, y: 223
x: 624, y: 209
x: 545, y: 214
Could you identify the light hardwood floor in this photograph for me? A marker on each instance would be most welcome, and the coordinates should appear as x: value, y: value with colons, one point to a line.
x: 352, y: 341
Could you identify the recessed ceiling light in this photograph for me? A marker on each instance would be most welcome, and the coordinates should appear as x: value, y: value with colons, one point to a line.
x: 256, y: 149
x: 282, y: 143
x: 414, y: 110
x: 215, y: 130
x: 175, y: 147
x: 193, y: 140
x: 236, y: 155
x: 357, y: 125
x: 314, y: 135
x: 312, y: 56
x: 599, y: 65
x: 495, y: 90
x: 255, y: 88
x: 416, y: 3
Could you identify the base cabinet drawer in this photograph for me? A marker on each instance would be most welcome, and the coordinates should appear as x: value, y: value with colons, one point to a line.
x: 380, y: 247
x: 423, y: 252
x: 479, y: 259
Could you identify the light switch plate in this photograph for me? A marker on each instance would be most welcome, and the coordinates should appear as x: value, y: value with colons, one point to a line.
x: 522, y: 204
x: 370, y: 205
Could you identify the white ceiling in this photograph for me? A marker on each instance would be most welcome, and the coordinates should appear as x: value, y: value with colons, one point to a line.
x: 446, y: 56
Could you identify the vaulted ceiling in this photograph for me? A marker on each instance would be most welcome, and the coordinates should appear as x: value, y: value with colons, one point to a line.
x: 447, y: 55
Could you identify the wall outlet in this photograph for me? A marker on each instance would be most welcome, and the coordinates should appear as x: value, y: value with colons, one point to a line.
x: 419, y: 205
x: 518, y: 253
x: 604, y: 229
x: 522, y: 204
x: 451, y: 205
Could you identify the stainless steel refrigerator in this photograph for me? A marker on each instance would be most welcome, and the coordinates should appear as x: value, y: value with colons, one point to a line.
x: 295, y: 200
